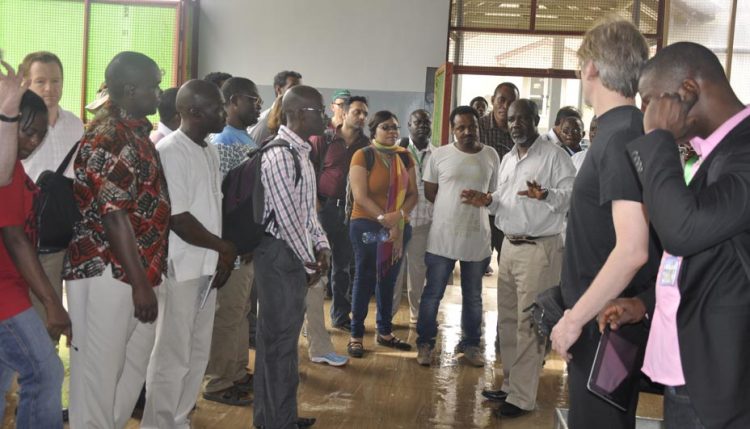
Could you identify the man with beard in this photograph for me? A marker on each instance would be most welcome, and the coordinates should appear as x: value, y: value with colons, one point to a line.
x: 459, y: 233
x: 418, y: 143
x: 536, y: 180
x: 332, y: 156
x: 227, y: 380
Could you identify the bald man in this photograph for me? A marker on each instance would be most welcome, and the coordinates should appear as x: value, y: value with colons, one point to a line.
x: 293, y: 255
x: 118, y: 253
x: 196, y: 252
x: 700, y: 307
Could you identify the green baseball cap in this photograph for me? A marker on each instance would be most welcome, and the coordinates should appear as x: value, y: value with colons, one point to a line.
x: 341, y: 93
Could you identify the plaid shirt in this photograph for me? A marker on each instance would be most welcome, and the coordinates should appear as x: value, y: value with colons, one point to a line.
x: 118, y: 168
x: 494, y: 136
x: 295, y: 218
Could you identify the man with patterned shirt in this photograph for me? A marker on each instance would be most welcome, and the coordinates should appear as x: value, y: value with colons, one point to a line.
x: 493, y: 132
x: 119, y: 249
x: 418, y: 143
x: 227, y: 380
x: 293, y: 255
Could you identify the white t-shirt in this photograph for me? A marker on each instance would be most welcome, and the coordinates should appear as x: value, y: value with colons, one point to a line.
x: 194, y: 182
x: 460, y: 231
x: 59, y: 140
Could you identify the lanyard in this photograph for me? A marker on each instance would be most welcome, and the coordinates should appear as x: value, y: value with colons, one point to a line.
x: 419, y: 159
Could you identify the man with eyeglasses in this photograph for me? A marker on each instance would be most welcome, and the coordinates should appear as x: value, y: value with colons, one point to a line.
x: 227, y: 380
x: 292, y: 256
x: 339, y: 98
x: 332, y: 155
x: 420, y: 218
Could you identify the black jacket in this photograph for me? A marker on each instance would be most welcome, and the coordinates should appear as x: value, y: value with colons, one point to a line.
x: 708, y: 223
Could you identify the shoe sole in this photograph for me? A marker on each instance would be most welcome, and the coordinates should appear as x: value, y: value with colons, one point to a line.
x: 324, y: 360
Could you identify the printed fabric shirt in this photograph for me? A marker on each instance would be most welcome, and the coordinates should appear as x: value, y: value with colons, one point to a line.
x: 233, y: 145
x: 290, y: 208
x: 118, y: 168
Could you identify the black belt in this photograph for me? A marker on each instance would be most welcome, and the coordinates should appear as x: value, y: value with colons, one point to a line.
x: 517, y: 240
x: 338, y: 202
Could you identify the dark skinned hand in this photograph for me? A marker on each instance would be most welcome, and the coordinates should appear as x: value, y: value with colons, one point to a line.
x: 669, y: 112
x: 221, y: 277
x: 621, y: 311
x: 475, y: 198
x: 146, y: 306
x: 58, y: 322
x: 534, y: 191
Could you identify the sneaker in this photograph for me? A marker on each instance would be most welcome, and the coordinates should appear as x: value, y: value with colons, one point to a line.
x: 332, y: 359
x: 474, y: 355
x: 424, y: 354
x: 460, y: 348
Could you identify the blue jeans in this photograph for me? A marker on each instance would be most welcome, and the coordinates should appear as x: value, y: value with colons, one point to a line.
x: 679, y: 412
x: 439, y: 269
x: 365, y: 279
x: 25, y: 348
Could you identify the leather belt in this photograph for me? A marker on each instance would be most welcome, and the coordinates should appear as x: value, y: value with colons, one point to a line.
x: 517, y: 240
x: 338, y: 202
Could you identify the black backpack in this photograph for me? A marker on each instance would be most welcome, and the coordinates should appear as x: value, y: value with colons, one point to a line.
x: 369, y: 153
x: 243, y: 200
x: 58, y: 211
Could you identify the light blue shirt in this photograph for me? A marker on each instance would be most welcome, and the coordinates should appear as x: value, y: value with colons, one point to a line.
x: 233, y: 145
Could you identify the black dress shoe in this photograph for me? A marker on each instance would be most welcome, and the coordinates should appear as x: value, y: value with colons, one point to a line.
x: 494, y: 395
x: 510, y: 411
x: 305, y: 422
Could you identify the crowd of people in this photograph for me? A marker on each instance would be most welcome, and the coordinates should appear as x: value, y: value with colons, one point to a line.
x: 160, y: 295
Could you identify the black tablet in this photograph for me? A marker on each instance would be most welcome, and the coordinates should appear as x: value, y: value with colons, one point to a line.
x: 616, y: 360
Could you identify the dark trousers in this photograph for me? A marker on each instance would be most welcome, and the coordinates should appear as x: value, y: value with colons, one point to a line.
x: 365, y: 279
x: 333, y: 220
x: 496, y: 237
x: 679, y: 412
x: 282, y: 287
x: 588, y: 411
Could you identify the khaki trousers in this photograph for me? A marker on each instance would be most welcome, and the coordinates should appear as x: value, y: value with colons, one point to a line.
x: 52, y: 263
x: 229, y: 344
x: 414, y: 268
x: 524, y: 271
x: 318, y: 340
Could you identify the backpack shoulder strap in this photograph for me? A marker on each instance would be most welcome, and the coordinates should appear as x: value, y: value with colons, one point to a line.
x: 64, y: 165
x: 406, y: 159
x: 288, y: 146
x: 369, y: 153
x: 404, y: 142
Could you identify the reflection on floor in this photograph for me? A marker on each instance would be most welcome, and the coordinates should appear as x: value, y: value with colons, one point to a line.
x: 388, y: 389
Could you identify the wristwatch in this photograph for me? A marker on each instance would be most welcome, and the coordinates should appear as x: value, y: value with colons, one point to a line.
x: 4, y: 118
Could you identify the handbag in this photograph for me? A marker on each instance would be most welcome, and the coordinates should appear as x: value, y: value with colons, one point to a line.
x: 58, y: 211
x: 547, y: 310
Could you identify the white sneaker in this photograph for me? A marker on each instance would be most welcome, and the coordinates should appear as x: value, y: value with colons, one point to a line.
x: 332, y: 359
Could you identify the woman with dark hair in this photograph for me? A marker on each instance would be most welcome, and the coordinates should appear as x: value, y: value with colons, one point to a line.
x: 25, y: 345
x: 384, y: 187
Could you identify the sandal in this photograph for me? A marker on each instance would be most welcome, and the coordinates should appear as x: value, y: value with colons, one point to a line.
x: 355, y: 349
x: 394, y: 343
x: 229, y: 396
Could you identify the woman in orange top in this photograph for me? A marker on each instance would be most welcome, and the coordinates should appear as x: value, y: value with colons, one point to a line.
x: 383, y: 184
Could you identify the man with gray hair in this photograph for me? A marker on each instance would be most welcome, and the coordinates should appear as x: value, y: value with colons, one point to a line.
x: 608, y: 251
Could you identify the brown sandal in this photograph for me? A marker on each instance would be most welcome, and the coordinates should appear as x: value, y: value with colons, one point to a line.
x: 355, y: 349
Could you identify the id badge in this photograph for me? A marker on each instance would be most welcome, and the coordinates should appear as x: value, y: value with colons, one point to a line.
x: 669, y: 270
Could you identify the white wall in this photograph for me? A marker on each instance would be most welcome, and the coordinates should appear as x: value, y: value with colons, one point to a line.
x: 381, y: 45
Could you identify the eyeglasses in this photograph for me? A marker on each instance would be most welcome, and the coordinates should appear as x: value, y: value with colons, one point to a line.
x: 388, y: 128
x: 253, y: 99
x: 321, y: 112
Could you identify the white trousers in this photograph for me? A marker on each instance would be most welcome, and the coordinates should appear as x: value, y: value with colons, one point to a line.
x: 109, y: 353
x: 181, y: 352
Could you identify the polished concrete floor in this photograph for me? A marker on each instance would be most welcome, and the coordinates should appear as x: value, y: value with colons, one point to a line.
x: 388, y: 389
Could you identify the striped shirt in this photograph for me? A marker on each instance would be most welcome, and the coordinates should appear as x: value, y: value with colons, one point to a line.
x: 295, y: 219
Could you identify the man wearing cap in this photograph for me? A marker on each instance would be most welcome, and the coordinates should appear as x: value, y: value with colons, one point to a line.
x: 337, y: 107
x: 331, y: 155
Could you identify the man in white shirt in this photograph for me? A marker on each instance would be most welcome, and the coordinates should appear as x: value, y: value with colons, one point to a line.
x: 555, y: 133
x: 414, y: 268
x: 532, y: 217
x: 196, y: 252
x: 459, y: 232
x: 44, y: 73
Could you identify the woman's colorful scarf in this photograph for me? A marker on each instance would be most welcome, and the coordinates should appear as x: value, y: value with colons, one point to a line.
x: 397, y: 185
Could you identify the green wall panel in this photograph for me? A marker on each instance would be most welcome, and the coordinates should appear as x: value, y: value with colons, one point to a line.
x: 46, y: 25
